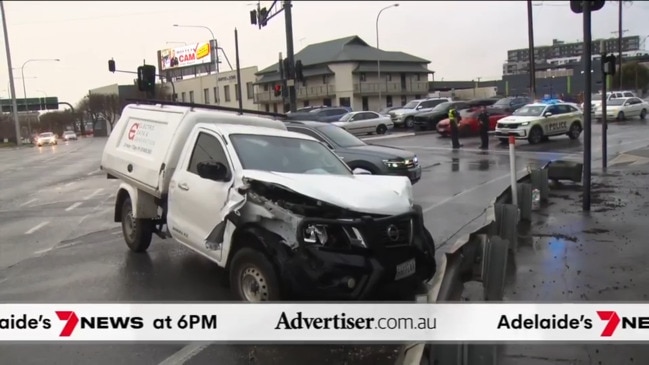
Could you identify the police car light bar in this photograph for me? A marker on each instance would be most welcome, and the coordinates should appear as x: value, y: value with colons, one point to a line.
x: 550, y: 101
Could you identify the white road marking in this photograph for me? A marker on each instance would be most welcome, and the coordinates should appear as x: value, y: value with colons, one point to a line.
x: 94, y: 193
x: 117, y: 232
x: 395, y: 135
x: 185, y: 354
x: 94, y: 171
x: 83, y: 218
x: 72, y: 206
x: 444, y: 201
x: 70, y: 183
x: 40, y: 252
x: 37, y: 227
x: 28, y: 202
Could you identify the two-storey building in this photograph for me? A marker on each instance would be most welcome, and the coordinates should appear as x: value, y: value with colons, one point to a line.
x: 345, y: 72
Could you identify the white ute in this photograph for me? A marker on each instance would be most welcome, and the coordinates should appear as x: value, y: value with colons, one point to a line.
x: 278, y: 210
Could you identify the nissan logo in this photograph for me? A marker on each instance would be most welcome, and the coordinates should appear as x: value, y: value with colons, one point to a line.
x: 393, y: 232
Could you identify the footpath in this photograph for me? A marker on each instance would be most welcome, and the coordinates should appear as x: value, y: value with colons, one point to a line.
x: 567, y: 255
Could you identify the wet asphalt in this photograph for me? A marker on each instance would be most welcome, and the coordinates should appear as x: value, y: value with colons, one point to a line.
x: 59, y: 243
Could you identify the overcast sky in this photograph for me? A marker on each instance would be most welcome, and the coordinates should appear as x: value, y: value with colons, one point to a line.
x: 462, y: 39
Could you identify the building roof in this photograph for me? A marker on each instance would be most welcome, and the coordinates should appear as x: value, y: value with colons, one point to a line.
x: 348, y: 49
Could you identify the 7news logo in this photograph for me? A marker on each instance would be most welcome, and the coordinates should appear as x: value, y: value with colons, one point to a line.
x: 108, y: 322
x: 613, y: 321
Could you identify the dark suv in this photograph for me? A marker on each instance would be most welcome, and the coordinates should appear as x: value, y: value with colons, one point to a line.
x: 326, y: 115
x: 377, y: 160
x: 509, y: 105
x: 428, y: 120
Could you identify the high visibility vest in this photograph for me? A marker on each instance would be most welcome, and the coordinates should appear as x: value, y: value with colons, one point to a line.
x: 452, y: 116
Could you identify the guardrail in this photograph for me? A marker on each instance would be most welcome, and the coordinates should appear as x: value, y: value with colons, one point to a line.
x: 482, y: 256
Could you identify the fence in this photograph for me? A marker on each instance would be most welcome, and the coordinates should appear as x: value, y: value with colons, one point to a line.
x: 483, y: 256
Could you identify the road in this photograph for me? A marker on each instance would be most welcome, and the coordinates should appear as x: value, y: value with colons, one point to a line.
x: 59, y: 243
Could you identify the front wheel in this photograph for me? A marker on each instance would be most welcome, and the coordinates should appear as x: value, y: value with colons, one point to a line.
x: 253, y: 278
x: 536, y: 135
x: 643, y: 114
x: 381, y: 129
x: 575, y: 131
x: 409, y: 122
x: 620, y: 116
x: 137, y: 232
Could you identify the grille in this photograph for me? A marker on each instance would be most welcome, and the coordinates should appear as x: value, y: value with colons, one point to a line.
x: 508, y: 126
x: 403, y: 227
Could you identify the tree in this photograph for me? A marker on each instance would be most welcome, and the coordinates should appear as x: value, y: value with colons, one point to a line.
x: 634, y: 77
x: 57, y: 121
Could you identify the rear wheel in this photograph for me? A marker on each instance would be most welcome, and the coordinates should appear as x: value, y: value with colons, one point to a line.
x: 381, y: 129
x: 137, y: 232
x: 620, y: 116
x: 536, y: 135
x: 409, y: 122
x: 643, y: 114
x: 575, y: 130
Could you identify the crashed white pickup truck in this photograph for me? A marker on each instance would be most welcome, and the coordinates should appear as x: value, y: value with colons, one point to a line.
x: 278, y: 210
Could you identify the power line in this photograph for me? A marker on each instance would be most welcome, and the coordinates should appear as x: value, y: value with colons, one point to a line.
x: 70, y: 20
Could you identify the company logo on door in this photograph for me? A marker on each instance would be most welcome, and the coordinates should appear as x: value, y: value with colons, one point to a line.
x: 185, y: 56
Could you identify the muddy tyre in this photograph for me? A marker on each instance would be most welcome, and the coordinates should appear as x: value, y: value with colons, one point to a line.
x: 253, y: 277
x: 137, y: 232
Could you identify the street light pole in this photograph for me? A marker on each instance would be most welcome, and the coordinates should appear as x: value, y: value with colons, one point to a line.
x: 215, y: 54
x: 22, y: 73
x: 378, y: 58
x: 12, y: 88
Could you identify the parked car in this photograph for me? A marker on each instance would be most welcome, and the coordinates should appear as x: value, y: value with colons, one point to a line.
x: 375, y: 159
x: 475, y: 103
x: 279, y: 211
x: 469, y: 124
x: 511, y: 103
x: 623, y: 108
x: 428, y: 120
x: 47, y: 138
x: 69, y: 136
x: 326, y: 115
x: 405, y: 116
x: 596, y: 99
x: 366, y: 122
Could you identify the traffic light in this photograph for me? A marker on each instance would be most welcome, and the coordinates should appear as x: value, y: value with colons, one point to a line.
x: 299, y: 74
x: 111, y: 66
x: 608, y: 64
x: 263, y: 17
x: 278, y: 90
x: 253, y: 17
x: 578, y: 7
x: 146, y: 78
x: 288, y: 70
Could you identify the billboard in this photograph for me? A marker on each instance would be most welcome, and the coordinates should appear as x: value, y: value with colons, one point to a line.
x: 185, y: 56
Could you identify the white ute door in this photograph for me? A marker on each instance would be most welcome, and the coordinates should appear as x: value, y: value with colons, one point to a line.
x: 198, y: 205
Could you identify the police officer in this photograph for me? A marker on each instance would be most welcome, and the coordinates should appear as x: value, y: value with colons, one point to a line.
x: 454, y: 120
x: 483, y: 119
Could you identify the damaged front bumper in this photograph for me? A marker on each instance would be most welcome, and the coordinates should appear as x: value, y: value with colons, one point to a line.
x: 360, y: 258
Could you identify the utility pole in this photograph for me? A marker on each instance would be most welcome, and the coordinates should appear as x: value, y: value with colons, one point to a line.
x: 619, y: 40
x: 530, y: 36
x: 12, y: 86
x: 587, y: 102
x: 236, y: 50
x: 290, y: 74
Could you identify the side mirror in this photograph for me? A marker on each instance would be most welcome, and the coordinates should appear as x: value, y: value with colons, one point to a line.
x: 212, y: 170
x: 419, y: 107
x: 547, y: 114
x: 359, y: 171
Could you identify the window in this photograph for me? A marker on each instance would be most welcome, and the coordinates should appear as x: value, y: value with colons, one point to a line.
x: 285, y: 154
x: 250, y: 90
x: 417, y: 96
x: 403, y: 100
x: 418, y: 77
x: 216, y: 95
x: 363, y: 77
x: 236, y: 92
x: 182, y: 96
x: 388, y: 101
x: 308, y: 132
x: 340, y: 137
x: 305, y: 103
x: 226, y: 92
x: 206, y: 96
x: 345, y: 102
x: 564, y: 109
x: 366, y: 103
x: 191, y: 96
x: 274, y: 108
x: 265, y: 87
x: 628, y: 94
x: 267, y: 108
x: 325, y: 79
x: 208, y: 148
x: 389, y: 77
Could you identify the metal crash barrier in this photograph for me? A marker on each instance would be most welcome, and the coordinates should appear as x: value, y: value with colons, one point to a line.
x: 483, y: 256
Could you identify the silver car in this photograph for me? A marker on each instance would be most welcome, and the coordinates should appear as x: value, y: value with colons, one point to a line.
x: 365, y: 122
x: 69, y: 136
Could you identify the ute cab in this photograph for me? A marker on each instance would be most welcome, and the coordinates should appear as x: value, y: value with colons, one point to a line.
x: 278, y: 210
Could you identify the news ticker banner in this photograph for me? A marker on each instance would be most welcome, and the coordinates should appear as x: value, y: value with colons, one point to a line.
x: 335, y: 322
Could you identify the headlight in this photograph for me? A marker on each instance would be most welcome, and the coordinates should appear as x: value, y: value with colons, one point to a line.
x: 334, y: 236
x: 415, y: 160
x: 395, y: 164
x: 525, y: 123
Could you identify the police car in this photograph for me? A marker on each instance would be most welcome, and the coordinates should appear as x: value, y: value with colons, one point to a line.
x: 538, y: 121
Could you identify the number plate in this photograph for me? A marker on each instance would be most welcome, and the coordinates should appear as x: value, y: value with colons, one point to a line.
x: 405, y: 269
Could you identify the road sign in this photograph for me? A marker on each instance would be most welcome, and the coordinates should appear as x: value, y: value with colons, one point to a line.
x: 33, y: 104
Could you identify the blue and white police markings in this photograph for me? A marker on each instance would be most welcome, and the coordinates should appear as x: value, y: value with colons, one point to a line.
x: 557, y: 126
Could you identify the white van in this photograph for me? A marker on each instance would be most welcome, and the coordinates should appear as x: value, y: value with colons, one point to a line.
x: 278, y: 210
